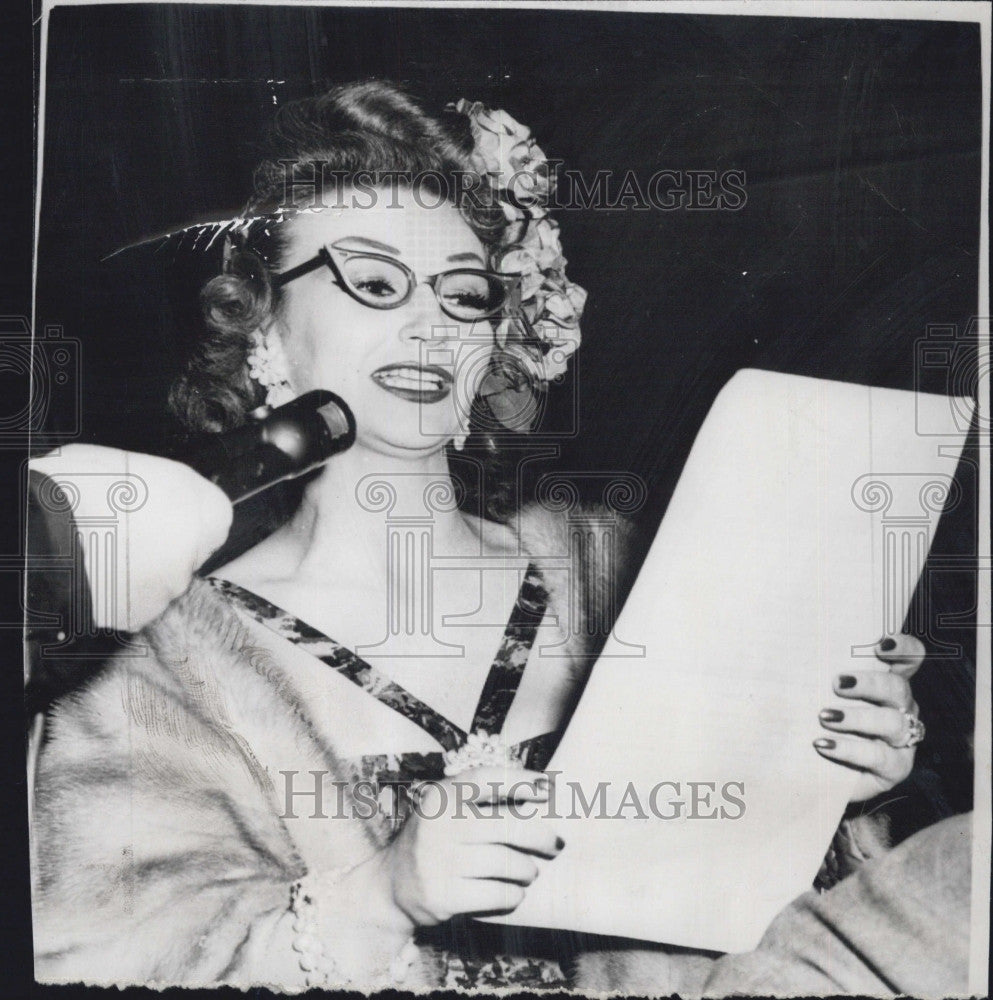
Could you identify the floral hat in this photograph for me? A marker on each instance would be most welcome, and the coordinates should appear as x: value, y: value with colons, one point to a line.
x: 541, y: 333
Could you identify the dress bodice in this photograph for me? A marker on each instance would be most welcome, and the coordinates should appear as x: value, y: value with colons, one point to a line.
x: 471, y: 955
x: 495, y: 700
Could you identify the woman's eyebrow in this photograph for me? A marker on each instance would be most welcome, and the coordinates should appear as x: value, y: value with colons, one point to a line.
x: 456, y: 257
x: 374, y: 244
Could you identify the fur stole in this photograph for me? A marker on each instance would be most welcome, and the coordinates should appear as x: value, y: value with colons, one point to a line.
x: 158, y: 846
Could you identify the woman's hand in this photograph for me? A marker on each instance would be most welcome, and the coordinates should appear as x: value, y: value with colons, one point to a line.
x: 471, y: 850
x: 873, y: 731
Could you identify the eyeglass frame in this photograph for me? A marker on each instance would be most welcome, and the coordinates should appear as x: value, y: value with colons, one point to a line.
x: 324, y: 258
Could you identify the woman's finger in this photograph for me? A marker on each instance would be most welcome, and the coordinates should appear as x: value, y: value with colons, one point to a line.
x: 873, y: 756
x: 904, y: 653
x: 878, y: 686
x: 485, y: 896
x: 884, y: 723
x: 525, y: 832
x: 493, y: 861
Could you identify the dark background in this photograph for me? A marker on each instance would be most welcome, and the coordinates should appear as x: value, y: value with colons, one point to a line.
x: 860, y: 142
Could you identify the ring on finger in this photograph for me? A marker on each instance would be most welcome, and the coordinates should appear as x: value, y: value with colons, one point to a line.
x: 913, y: 731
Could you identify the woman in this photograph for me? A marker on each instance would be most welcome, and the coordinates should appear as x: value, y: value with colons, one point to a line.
x: 201, y: 813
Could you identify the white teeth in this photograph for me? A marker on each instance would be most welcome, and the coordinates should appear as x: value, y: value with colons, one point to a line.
x: 411, y: 378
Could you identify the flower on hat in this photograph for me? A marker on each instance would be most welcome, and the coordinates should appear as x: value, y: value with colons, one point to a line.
x: 509, y: 156
x: 544, y: 333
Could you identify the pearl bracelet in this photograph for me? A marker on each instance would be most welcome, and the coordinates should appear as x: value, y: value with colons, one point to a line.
x: 320, y: 967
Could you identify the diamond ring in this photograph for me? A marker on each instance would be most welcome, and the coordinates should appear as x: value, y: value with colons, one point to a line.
x: 913, y: 733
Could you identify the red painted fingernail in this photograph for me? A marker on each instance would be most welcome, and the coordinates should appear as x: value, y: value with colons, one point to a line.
x: 559, y: 843
x: 832, y: 715
x: 887, y: 645
x: 823, y: 744
x: 846, y: 681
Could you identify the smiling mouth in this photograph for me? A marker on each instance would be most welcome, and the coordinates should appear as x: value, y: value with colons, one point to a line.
x: 415, y: 383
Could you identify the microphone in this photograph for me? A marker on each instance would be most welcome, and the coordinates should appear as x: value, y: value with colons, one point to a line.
x: 287, y: 442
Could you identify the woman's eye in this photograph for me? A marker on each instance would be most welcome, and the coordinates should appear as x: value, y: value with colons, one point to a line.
x: 375, y: 279
x: 467, y: 299
x: 379, y: 288
x: 468, y: 292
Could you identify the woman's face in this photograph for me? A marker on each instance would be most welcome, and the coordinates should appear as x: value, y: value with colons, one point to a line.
x: 406, y: 372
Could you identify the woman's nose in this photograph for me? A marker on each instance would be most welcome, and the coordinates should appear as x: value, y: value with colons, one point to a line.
x: 424, y: 319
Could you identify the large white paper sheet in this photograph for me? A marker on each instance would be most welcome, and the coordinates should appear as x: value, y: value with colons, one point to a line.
x: 777, y: 566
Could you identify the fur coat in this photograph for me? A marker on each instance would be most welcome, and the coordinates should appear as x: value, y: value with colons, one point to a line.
x: 158, y: 848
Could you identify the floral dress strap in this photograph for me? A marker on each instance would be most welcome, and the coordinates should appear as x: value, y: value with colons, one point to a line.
x: 344, y: 661
x: 512, y: 656
x: 498, y: 691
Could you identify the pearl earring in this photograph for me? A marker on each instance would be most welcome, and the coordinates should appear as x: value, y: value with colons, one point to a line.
x: 268, y: 366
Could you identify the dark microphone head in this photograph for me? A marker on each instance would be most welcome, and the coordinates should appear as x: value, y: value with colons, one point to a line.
x: 282, y: 444
x: 295, y: 427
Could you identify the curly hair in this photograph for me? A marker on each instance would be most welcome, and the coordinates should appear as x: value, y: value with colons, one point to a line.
x: 372, y: 129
